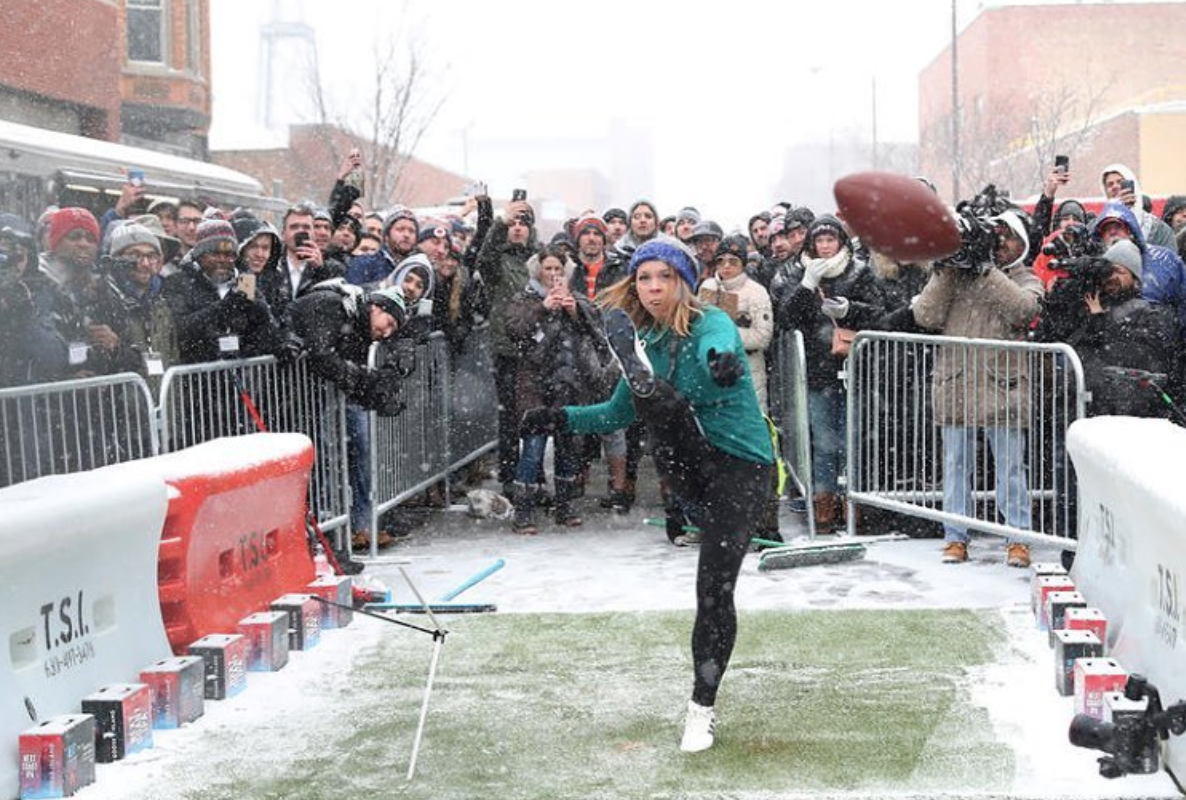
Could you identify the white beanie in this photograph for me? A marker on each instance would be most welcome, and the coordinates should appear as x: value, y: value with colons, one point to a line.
x: 128, y: 234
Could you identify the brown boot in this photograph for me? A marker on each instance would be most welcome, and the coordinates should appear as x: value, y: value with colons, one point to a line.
x: 827, y: 515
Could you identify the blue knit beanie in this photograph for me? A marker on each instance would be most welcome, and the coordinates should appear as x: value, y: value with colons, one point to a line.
x: 671, y: 252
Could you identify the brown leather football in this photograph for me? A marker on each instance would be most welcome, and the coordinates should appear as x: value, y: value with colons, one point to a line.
x: 897, y: 215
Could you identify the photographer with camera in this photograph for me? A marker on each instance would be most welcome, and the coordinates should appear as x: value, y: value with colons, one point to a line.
x: 1099, y: 311
x: 133, y: 275
x: 985, y: 291
x: 1163, y: 274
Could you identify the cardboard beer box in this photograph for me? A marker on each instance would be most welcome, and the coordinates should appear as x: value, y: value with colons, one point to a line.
x: 1057, y: 604
x: 1093, y: 678
x: 267, y: 640
x: 123, y: 720
x: 1042, y: 586
x: 57, y: 757
x: 225, y: 657
x: 178, y: 687
x: 1088, y: 619
x: 1069, y: 646
x: 304, y: 619
x: 338, y: 589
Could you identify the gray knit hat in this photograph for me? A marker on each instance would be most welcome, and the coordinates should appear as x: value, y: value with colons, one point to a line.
x: 1125, y: 254
x: 129, y: 234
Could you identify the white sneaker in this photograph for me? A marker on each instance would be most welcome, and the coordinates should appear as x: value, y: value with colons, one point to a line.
x: 698, y: 728
x: 630, y: 352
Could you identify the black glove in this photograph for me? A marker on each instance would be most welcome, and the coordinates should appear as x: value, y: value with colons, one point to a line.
x: 543, y: 421
x: 383, y: 396
x: 725, y: 367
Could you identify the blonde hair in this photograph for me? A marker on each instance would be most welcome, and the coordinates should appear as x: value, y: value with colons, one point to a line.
x: 623, y: 295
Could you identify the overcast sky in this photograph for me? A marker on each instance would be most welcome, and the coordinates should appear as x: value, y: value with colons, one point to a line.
x: 724, y: 88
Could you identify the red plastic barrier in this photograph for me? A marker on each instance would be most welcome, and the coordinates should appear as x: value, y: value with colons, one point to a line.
x: 234, y: 537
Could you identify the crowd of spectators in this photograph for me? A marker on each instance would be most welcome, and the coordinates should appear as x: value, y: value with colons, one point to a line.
x: 148, y: 286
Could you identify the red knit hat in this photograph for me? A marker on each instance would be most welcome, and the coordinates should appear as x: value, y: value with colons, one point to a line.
x: 590, y: 222
x: 68, y: 219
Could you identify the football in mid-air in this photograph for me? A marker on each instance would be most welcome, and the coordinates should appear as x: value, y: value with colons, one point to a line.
x: 897, y: 215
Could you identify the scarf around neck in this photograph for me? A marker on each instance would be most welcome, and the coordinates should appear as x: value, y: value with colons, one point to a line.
x: 832, y: 267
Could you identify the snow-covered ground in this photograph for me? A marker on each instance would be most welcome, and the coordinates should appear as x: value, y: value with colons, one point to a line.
x: 620, y: 564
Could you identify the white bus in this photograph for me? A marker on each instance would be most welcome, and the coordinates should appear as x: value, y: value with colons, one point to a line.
x: 39, y: 168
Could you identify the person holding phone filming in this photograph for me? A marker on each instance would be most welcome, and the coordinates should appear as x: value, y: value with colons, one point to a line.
x: 218, y: 313
x: 302, y: 264
x: 556, y: 335
x: 1120, y: 183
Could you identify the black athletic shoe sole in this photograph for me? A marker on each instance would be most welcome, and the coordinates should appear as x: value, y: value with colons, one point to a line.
x: 624, y: 344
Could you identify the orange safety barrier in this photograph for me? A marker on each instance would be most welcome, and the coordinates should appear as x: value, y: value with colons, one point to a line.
x: 234, y: 537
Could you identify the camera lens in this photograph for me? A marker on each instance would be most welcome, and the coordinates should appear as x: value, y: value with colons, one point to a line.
x: 1093, y: 734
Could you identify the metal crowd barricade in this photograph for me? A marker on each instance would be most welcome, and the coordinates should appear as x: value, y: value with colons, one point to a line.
x: 410, y: 451
x: 200, y: 402
x: 905, y: 392
x: 473, y: 409
x: 788, y: 408
x: 75, y: 425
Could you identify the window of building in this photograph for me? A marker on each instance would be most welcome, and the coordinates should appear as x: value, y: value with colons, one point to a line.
x: 146, y: 31
x: 193, y: 36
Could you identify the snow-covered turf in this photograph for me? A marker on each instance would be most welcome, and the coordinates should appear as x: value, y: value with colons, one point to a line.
x: 342, y: 714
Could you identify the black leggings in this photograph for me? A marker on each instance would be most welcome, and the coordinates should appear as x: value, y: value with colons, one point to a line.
x: 725, y: 497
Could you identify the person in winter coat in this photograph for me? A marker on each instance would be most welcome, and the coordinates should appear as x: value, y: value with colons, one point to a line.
x: 643, y: 226
x: 1113, y: 180
x: 746, y: 303
x: 300, y: 265
x: 1114, y: 327
x: 1163, y: 273
x: 35, y: 315
x: 454, y: 299
x: 218, y: 314
x: 555, y: 332
x: 135, y: 282
x: 595, y: 272
x: 759, y: 232
x: 400, y: 231
x: 502, y: 265
x: 996, y: 299
x: 259, y: 244
x: 617, y: 222
x: 1173, y: 213
x: 336, y: 324
x: 685, y: 375
x: 827, y: 288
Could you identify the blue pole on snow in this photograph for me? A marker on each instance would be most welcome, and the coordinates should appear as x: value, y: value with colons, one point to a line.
x: 472, y: 581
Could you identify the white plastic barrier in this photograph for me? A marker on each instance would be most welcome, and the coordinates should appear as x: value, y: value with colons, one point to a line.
x: 78, y: 594
x: 1131, y: 561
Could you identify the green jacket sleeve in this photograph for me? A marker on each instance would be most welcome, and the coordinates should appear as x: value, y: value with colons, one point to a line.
x: 614, y: 414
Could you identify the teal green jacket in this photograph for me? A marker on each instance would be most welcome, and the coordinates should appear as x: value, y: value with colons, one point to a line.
x: 730, y: 416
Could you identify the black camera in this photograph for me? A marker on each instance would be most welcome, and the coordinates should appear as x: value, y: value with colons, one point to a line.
x: 1089, y: 272
x: 1131, y: 742
x: 116, y: 265
x: 978, y: 236
x: 1073, y: 241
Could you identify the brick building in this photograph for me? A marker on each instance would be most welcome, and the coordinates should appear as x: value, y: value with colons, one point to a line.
x: 308, y: 167
x: 60, y: 67
x: 131, y: 71
x: 1100, y: 82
